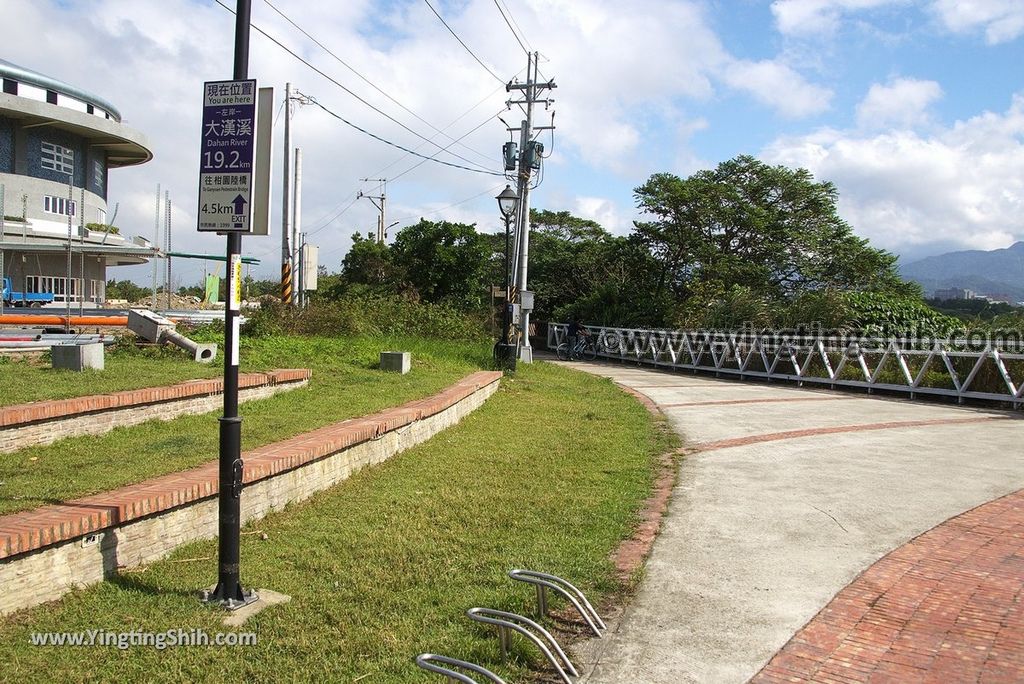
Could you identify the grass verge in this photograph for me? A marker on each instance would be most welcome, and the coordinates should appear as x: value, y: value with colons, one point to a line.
x: 548, y: 474
x: 345, y: 384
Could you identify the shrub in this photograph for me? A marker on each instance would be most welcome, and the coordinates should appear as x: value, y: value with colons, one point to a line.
x: 878, y: 314
x: 103, y: 228
x: 366, y: 315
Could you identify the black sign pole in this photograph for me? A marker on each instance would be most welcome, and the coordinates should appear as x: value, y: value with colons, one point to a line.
x: 229, y: 592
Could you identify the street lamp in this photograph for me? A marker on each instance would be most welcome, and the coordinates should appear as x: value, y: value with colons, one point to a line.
x: 504, y: 350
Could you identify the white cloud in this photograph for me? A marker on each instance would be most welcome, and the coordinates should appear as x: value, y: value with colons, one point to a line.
x: 604, y: 211
x: 962, y: 185
x: 1001, y: 20
x: 778, y: 86
x: 616, y: 62
x: 818, y: 17
x: 902, y: 102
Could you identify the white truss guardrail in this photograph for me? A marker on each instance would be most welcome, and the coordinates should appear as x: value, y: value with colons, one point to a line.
x: 966, y: 369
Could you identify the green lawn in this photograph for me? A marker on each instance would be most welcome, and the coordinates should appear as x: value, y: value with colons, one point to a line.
x: 548, y: 474
x: 22, y: 381
x: 345, y: 384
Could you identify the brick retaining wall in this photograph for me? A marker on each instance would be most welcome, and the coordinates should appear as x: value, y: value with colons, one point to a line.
x: 50, y: 550
x: 44, y: 422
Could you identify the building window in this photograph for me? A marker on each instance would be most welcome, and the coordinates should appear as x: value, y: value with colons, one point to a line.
x: 57, y: 158
x: 97, y: 175
x: 10, y: 86
x: 89, y: 109
x: 59, y: 205
x: 58, y: 287
x: 51, y: 96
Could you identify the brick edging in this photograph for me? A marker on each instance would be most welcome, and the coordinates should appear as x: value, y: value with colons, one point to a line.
x: 38, y: 411
x: 29, y: 531
x: 943, y: 607
x: 629, y: 556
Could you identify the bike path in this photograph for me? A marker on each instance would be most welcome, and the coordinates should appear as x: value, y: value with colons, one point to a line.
x: 792, y: 495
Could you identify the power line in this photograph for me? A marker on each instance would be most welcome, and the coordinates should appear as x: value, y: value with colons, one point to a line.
x: 365, y: 80
x: 404, y: 149
x: 465, y: 135
x: 454, y: 121
x: 333, y: 218
x: 433, y: 211
x: 347, y: 90
x: 507, y: 23
x: 330, y: 217
x: 451, y: 31
x: 450, y: 206
x: 518, y: 28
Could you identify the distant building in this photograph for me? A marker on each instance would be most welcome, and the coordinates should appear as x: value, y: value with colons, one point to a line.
x: 57, y: 146
x: 954, y: 293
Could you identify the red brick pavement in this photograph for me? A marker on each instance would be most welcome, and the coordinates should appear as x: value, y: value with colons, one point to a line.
x: 946, y: 607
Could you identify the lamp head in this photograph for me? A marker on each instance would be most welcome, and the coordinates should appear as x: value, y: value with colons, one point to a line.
x: 508, y: 200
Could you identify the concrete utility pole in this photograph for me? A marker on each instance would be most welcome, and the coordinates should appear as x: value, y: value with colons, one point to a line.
x: 297, y: 274
x: 286, y: 231
x: 289, y: 245
x: 382, y: 198
x: 529, y: 158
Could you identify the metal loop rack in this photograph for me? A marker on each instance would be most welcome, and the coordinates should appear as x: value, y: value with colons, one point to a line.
x: 443, y: 665
x: 544, y: 581
x: 511, y: 622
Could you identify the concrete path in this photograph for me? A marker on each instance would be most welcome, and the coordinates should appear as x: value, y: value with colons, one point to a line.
x: 793, y: 494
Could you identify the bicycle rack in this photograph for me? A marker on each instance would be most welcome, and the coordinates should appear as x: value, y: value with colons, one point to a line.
x: 510, y: 622
x: 436, y: 663
x: 543, y: 581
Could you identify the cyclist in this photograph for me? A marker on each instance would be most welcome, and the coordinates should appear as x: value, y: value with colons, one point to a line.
x: 577, y: 333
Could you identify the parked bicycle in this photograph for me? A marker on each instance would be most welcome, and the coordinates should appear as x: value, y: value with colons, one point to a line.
x: 584, y: 348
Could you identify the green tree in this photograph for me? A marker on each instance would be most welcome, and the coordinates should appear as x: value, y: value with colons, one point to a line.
x: 126, y: 289
x: 442, y: 262
x: 369, y: 263
x: 577, y: 268
x: 771, y: 229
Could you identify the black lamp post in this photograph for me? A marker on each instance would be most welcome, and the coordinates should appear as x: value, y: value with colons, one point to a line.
x: 505, y: 350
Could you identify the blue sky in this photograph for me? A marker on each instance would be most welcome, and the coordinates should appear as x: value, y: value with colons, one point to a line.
x: 913, y: 108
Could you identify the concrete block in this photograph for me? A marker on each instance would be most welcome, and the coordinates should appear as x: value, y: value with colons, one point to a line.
x: 398, y: 362
x: 148, y: 325
x: 77, y: 357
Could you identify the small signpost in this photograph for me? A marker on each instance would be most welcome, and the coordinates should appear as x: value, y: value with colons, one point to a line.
x: 226, y: 161
x: 234, y: 199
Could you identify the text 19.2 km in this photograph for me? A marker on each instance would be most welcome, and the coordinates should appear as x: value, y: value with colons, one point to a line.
x: 224, y: 160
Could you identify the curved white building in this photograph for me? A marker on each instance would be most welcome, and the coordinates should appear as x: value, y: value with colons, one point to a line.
x: 57, y: 147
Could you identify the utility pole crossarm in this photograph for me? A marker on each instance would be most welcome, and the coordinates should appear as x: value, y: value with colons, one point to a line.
x: 526, y: 86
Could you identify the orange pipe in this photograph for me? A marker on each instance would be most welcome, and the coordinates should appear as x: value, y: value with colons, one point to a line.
x: 46, y: 319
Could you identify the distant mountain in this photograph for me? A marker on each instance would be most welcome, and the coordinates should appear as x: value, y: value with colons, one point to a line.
x: 997, y: 273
